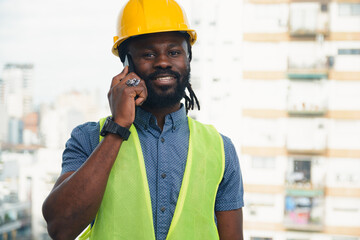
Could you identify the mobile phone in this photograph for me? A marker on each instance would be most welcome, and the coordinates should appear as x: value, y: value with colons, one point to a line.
x: 128, y: 62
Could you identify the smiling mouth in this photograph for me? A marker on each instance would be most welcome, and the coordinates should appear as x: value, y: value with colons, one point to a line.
x: 164, y: 79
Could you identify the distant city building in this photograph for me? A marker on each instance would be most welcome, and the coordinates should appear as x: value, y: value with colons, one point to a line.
x: 18, y: 89
x: 31, y: 145
x: 15, y: 196
x: 69, y: 110
x: 3, y: 114
x: 43, y: 174
x: 28, y: 170
x: 31, y: 128
x: 16, y: 103
x: 15, y: 131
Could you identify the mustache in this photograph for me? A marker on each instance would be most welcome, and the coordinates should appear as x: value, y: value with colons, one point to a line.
x: 158, y: 72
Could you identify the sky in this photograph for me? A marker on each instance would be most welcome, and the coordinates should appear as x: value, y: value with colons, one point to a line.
x: 69, y: 42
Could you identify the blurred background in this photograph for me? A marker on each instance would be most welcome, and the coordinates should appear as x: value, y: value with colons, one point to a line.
x: 281, y: 78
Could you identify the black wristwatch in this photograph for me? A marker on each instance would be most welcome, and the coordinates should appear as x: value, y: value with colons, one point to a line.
x: 112, y: 127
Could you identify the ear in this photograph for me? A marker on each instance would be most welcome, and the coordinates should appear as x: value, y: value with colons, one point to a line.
x: 189, y: 54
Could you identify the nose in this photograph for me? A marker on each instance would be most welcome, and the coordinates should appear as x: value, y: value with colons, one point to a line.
x: 162, y: 61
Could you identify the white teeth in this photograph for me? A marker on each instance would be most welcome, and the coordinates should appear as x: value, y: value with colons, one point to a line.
x: 164, y: 78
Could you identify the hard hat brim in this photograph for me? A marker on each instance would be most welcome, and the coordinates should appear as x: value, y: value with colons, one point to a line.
x: 191, y: 32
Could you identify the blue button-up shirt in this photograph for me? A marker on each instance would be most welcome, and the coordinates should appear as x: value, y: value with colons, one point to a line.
x: 165, y: 155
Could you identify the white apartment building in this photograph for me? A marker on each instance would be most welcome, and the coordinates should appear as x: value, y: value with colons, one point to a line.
x: 300, y: 152
x: 216, y: 62
x: 16, y: 103
x: 18, y: 89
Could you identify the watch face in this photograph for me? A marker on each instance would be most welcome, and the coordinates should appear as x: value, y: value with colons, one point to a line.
x: 111, y: 127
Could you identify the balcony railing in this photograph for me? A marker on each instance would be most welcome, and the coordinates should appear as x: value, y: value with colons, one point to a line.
x: 307, y: 98
x: 308, y: 19
x: 308, y: 67
x: 301, y: 108
x: 306, y: 106
x: 301, y: 184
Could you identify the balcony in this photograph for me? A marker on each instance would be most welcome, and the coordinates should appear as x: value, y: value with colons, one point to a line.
x: 308, y: 19
x: 306, y: 108
x: 308, y: 66
x: 306, y: 136
x: 307, y: 98
x: 304, y: 200
x: 304, y: 213
x: 305, y: 177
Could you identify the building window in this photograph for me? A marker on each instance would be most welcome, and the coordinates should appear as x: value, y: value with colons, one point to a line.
x: 324, y: 7
x: 302, y: 171
x: 263, y: 163
x: 348, y: 51
x: 345, y: 178
x: 349, y: 9
x: 342, y: 209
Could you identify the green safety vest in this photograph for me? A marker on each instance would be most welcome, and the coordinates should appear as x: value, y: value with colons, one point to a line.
x: 125, y: 211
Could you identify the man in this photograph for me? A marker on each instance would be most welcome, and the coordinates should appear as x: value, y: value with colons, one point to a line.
x: 153, y: 173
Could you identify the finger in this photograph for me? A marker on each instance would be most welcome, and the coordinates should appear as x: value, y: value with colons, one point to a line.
x: 141, y: 93
x: 120, y: 76
x: 131, y: 75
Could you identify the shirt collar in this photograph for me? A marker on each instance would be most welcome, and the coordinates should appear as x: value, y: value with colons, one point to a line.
x: 146, y: 119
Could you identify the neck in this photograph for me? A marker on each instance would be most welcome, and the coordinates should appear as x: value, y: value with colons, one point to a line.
x: 160, y: 113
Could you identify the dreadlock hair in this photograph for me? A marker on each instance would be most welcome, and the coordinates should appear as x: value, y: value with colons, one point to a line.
x: 189, y: 100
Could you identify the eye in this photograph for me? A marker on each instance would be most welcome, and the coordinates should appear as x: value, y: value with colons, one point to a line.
x: 148, y: 55
x: 174, y: 53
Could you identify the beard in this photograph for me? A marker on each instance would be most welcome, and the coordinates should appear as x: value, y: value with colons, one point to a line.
x: 165, y: 100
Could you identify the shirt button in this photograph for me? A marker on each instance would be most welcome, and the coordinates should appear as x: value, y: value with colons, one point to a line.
x: 162, y: 140
x: 163, y: 209
x: 163, y: 175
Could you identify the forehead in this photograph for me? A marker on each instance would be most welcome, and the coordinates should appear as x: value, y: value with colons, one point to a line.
x: 158, y: 39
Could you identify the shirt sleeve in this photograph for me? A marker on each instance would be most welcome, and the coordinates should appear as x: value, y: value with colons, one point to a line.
x: 84, y: 139
x: 231, y: 192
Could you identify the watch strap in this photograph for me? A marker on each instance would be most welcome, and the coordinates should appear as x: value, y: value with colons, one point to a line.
x: 112, y: 127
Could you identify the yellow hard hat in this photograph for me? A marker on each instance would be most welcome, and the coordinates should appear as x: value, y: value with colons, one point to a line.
x: 139, y: 17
